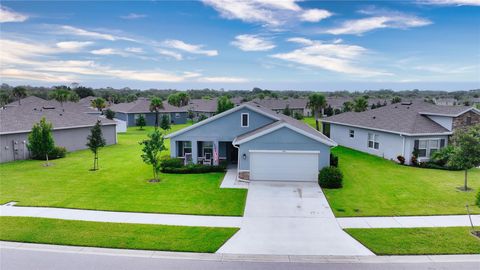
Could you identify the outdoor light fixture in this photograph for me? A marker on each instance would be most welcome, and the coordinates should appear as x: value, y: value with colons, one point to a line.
x: 244, y: 156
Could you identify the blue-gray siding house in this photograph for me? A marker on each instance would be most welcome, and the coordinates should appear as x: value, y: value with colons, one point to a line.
x: 129, y: 112
x: 264, y: 144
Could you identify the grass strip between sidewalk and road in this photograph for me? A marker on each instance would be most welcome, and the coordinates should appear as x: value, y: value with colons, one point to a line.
x: 418, y: 241
x: 114, y: 235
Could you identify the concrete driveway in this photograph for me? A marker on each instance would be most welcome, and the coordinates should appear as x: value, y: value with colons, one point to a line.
x: 290, y: 218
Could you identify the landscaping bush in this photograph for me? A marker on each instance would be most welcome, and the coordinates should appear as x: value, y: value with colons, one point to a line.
x: 169, y: 162
x: 477, y: 202
x: 442, y: 156
x: 109, y: 114
x: 298, y: 116
x: 56, y: 153
x: 193, y: 168
x: 330, y: 177
x: 333, y: 160
x: 401, y: 159
x: 433, y: 165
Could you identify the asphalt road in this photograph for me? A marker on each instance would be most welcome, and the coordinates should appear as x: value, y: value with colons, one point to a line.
x: 19, y: 259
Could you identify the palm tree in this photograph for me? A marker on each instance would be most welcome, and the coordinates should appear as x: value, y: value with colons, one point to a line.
x: 347, y: 106
x: 317, y: 102
x: 360, y: 104
x: 19, y: 92
x: 156, y: 104
x: 98, y: 103
x: 60, y: 95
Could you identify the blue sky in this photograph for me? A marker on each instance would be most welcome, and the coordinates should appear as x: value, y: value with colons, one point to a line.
x: 272, y: 44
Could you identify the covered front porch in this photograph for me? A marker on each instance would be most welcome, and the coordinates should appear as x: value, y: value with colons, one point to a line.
x: 206, y: 152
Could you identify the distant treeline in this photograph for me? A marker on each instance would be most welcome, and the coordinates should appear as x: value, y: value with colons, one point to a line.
x: 127, y: 95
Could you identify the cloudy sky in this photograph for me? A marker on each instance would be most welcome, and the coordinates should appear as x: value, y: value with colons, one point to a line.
x: 274, y: 44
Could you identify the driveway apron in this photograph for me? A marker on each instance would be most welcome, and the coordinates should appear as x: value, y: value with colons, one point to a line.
x: 290, y: 218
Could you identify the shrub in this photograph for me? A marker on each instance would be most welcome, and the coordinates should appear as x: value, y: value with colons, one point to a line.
x: 401, y: 159
x: 109, y: 114
x: 298, y: 116
x: 333, y: 160
x: 330, y: 177
x: 442, y: 156
x: 169, y: 162
x: 57, y: 152
x: 193, y: 168
x: 201, y: 117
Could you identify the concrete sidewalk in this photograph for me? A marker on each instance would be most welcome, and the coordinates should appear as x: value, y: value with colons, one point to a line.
x: 408, y: 221
x: 121, y: 217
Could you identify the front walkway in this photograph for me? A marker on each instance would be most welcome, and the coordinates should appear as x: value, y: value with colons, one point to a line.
x: 288, y: 218
x: 408, y: 221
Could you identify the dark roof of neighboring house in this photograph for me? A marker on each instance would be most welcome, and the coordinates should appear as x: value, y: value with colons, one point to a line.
x: 86, y: 100
x: 40, y: 102
x: 20, y: 118
x: 405, y: 118
x: 142, y: 105
x: 280, y: 104
x: 203, y: 105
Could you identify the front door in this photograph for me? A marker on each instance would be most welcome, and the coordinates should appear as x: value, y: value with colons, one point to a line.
x: 232, y: 154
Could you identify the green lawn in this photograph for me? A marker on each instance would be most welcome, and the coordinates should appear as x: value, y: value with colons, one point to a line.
x: 113, y: 235
x: 416, y: 241
x: 377, y: 187
x: 120, y: 184
x: 311, y: 122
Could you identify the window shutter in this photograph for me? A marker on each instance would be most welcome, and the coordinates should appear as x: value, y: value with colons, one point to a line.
x: 442, y: 143
x: 417, y: 143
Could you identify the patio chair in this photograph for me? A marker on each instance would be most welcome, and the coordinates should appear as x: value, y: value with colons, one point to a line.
x: 208, y: 159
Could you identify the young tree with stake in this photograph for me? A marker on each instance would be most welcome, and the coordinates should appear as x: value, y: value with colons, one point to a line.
x: 40, y: 140
x: 95, y: 141
x: 140, y: 122
x: 152, y: 148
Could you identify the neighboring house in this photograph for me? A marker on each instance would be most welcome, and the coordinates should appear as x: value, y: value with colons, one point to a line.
x: 264, y: 144
x: 445, y: 101
x: 296, y: 105
x: 475, y: 101
x: 397, y: 129
x: 71, y: 126
x: 198, y: 107
x: 129, y: 112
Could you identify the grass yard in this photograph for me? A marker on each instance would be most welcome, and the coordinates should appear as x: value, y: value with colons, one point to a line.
x: 311, y: 122
x: 373, y: 186
x: 113, y: 235
x: 417, y: 241
x: 120, y: 184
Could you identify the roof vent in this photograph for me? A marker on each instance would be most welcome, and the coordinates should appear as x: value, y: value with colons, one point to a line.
x: 374, y: 117
x: 406, y: 103
x: 48, y: 108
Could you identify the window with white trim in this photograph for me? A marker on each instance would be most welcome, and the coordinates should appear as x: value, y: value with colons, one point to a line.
x: 373, y: 141
x: 137, y: 115
x: 351, y: 133
x: 186, y: 148
x: 244, y: 120
x: 426, y: 148
x: 177, y: 115
x: 207, y: 148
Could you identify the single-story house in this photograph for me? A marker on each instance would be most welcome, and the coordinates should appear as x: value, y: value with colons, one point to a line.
x: 296, y: 105
x: 206, y: 107
x: 129, y: 112
x: 397, y: 129
x: 71, y: 126
x: 264, y: 145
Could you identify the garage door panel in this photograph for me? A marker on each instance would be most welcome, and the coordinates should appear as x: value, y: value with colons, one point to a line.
x: 284, y: 165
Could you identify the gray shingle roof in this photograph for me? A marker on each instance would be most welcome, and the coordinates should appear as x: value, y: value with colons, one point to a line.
x: 282, y: 119
x: 20, y: 118
x: 142, y: 105
x: 280, y: 104
x: 203, y: 105
x: 399, y: 118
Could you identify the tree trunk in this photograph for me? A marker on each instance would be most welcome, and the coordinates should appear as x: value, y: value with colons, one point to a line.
x: 156, y: 119
x: 46, y: 156
x: 316, y: 120
x: 96, y: 159
x: 466, y: 187
x: 94, y: 162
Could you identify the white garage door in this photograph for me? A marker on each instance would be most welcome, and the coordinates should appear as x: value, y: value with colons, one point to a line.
x: 274, y: 165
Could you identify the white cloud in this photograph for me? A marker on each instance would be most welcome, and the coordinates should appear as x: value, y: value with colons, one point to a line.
x: 73, y: 46
x: 222, y: 79
x: 70, y: 30
x: 134, y: 50
x: 315, y: 15
x: 340, y: 58
x: 252, y: 43
x: 272, y: 13
x: 172, y: 54
x: 189, y: 74
x: 391, y: 20
x: 8, y: 15
x: 18, y: 74
x: 301, y: 40
x: 451, y: 2
x: 191, y: 48
x: 133, y: 16
x: 108, y: 51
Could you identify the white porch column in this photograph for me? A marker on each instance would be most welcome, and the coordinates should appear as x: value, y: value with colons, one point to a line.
x: 173, y: 148
x: 194, y: 152
x: 216, y: 147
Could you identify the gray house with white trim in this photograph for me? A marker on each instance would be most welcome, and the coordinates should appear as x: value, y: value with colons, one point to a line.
x: 264, y: 145
x: 397, y: 129
x: 71, y: 126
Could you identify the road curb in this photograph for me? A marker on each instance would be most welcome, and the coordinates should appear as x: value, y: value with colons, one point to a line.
x: 240, y: 257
